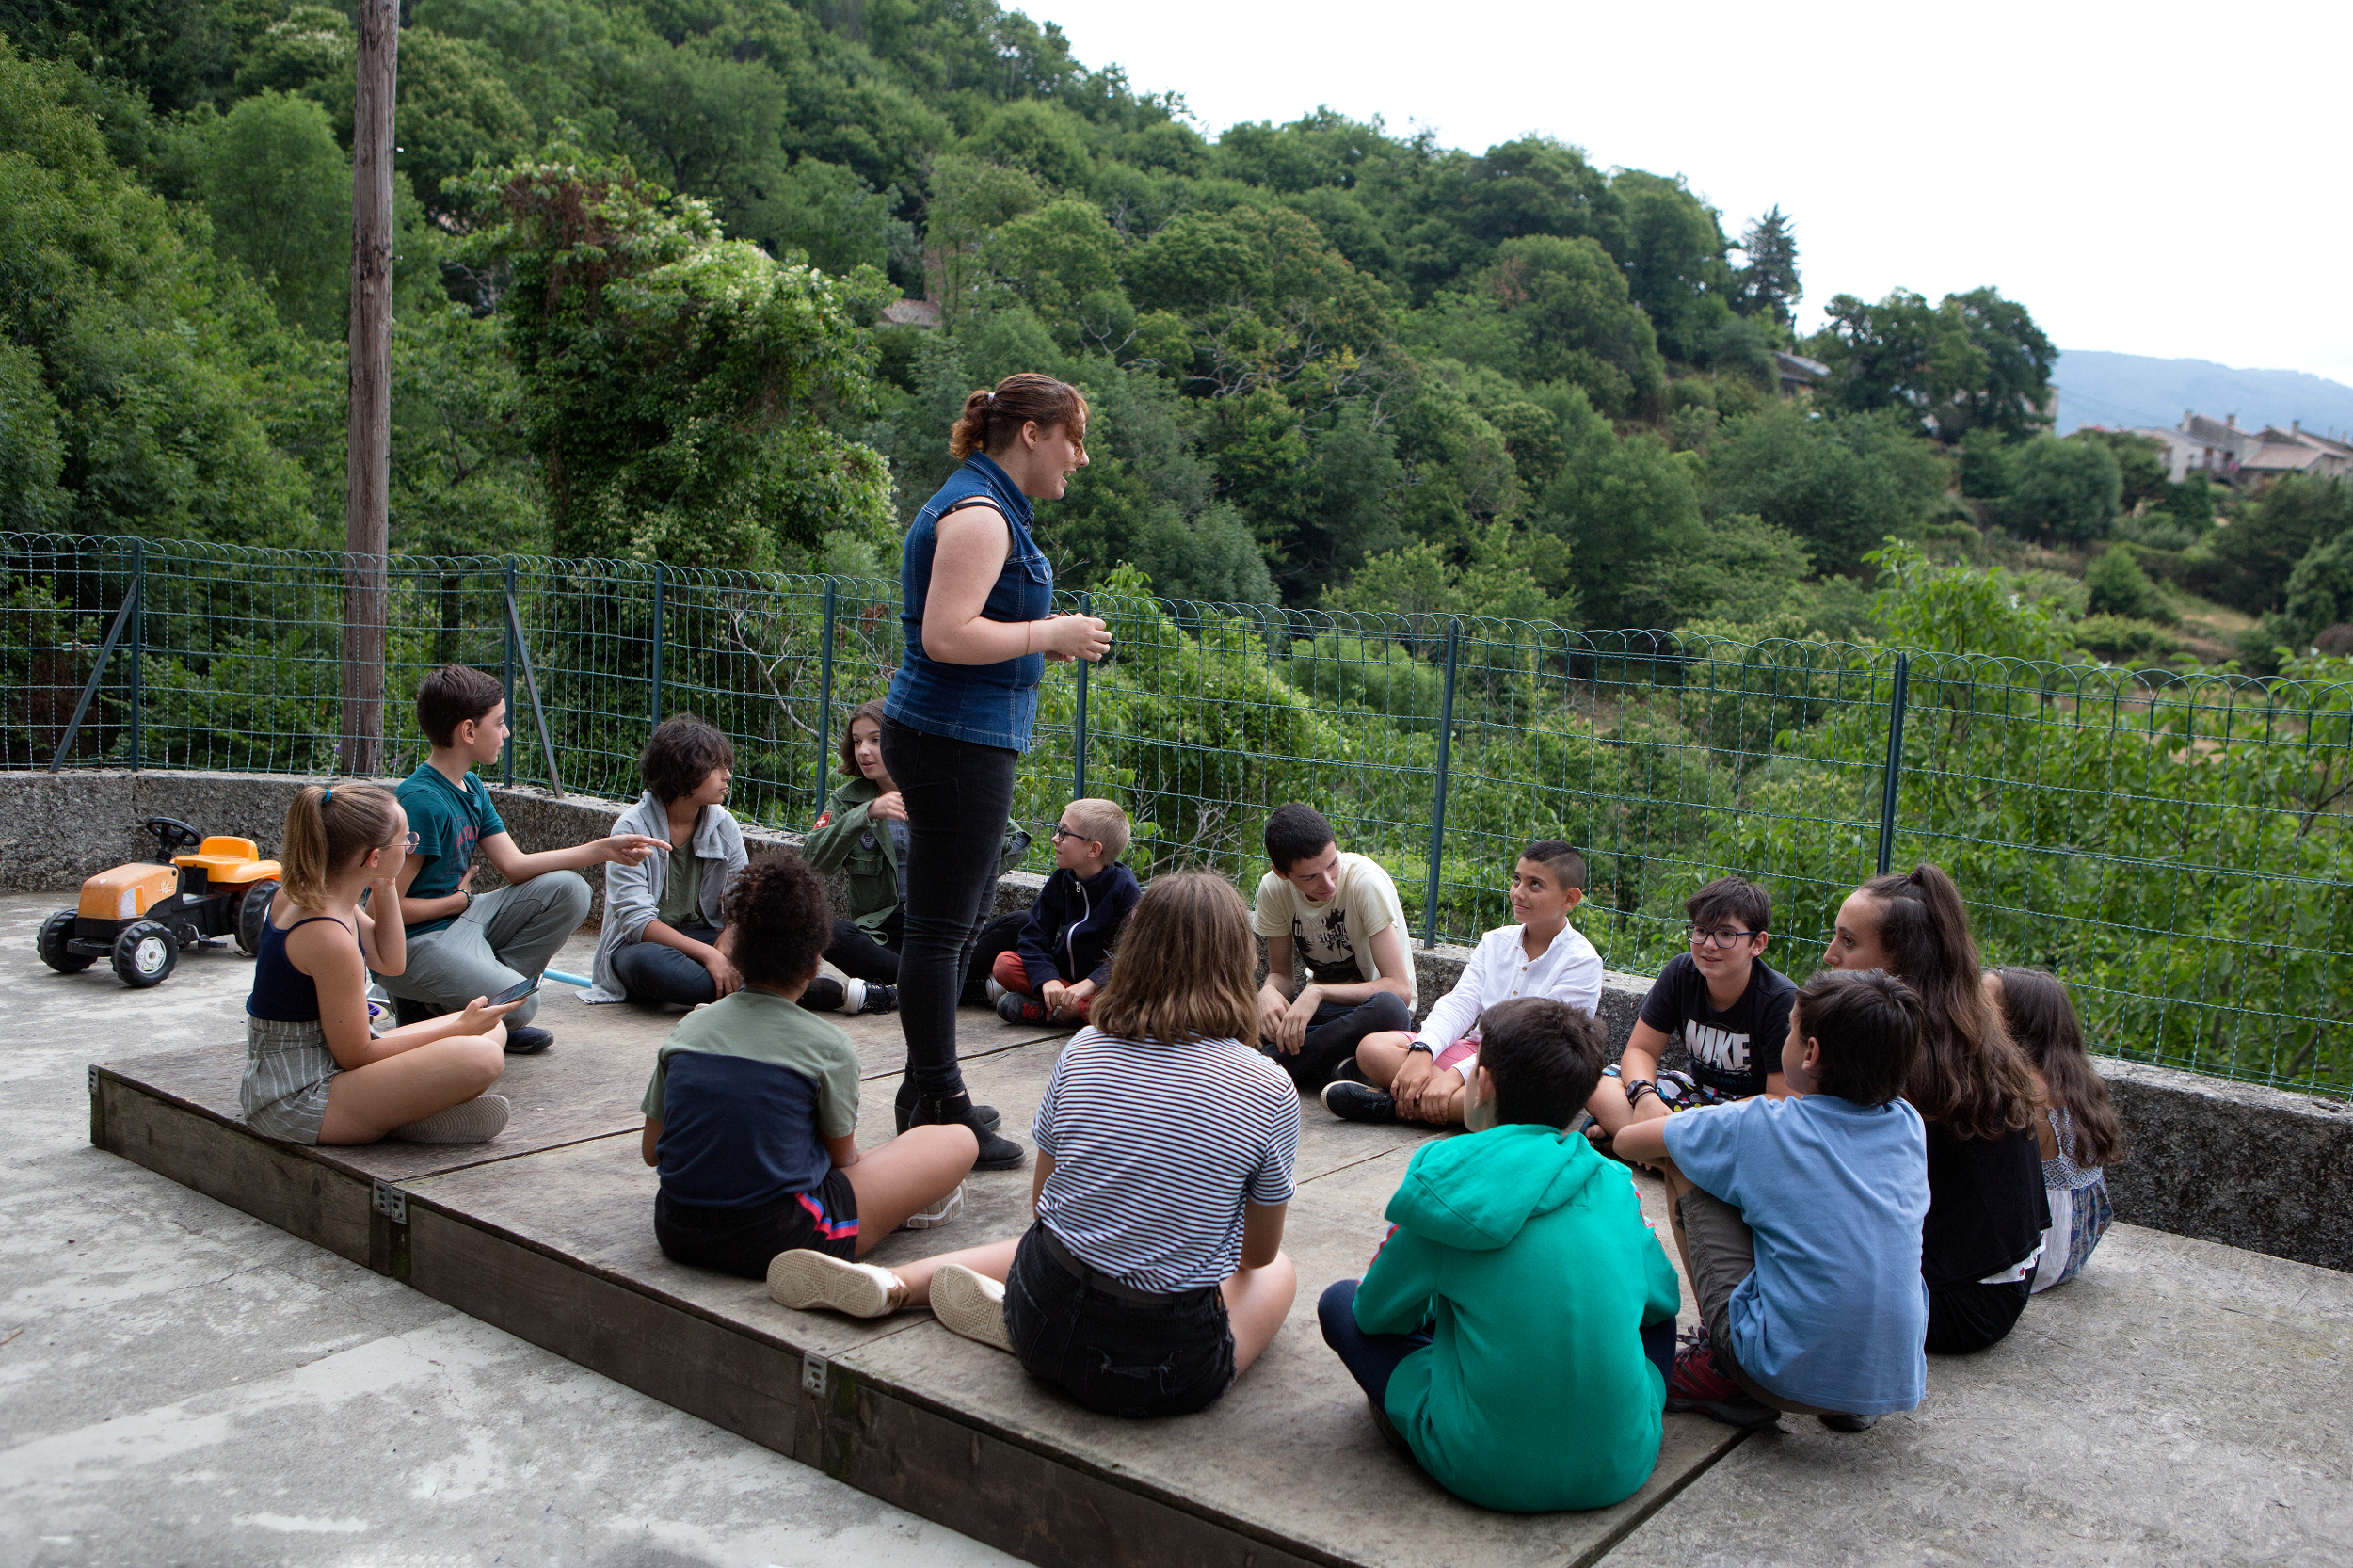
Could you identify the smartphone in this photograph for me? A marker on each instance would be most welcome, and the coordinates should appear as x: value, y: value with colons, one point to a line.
x: 516, y: 992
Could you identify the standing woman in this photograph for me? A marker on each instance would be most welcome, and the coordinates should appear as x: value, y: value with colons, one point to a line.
x: 976, y: 596
x: 1970, y: 1083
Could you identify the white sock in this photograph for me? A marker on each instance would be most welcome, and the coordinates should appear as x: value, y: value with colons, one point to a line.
x: 854, y: 996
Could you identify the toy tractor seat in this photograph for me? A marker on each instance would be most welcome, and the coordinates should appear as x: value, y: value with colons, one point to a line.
x: 230, y: 861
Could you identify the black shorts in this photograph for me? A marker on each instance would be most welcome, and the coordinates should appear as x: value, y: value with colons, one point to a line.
x: 741, y: 1241
x: 1117, y: 1354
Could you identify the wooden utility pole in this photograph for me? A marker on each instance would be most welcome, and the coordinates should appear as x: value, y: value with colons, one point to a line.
x: 367, y: 476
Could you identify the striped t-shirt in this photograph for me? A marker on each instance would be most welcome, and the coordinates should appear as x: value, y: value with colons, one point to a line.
x: 1156, y: 1148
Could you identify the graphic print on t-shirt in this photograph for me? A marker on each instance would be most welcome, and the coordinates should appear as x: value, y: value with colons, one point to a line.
x: 1719, y: 1048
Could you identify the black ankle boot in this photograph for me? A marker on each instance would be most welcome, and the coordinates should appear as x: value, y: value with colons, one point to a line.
x: 997, y: 1153
x: 903, y: 1106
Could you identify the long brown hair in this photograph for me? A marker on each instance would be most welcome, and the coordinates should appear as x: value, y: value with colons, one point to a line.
x: 1969, y: 1074
x: 1185, y: 965
x: 329, y: 826
x: 992, y: 419
x: 2041, y: 1018
x: 847, y: 745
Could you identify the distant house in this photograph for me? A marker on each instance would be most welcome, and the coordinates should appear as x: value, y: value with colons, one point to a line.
x: 2250, y: 459
x: 1798, y: 373
x: 911, y: 313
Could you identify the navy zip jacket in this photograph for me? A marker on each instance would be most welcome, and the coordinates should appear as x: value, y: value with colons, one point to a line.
x: 1073, y: 924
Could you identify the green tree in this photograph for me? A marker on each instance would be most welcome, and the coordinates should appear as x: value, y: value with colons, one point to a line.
x: 680, y: 388
x: 2320, y: 589
x: 1767, y: 285
x: 2256, y: 555
x: 2114, y: 584
x: 279, y: 190
x: 1552, y: 309
x: 1839, y: 483
x: 2062, y: 490
x: 1673, y: 258
x: 1975, y: 359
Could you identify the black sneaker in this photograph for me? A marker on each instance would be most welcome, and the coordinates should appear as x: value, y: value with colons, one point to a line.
x: 1843, y: 1420
x: 1358, y: 1102
x: 997, y: 1153
x: 1349, y: 1071
x: 880, y: 998
x: 527, y: 1039
x: 902, y: 1107
x: 1015, y: 1008
x: 822, y: 995
x: 407, y: 1011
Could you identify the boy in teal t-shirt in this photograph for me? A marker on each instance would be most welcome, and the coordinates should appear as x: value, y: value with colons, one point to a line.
x: 461, y: 945
x: 1515, y: 1330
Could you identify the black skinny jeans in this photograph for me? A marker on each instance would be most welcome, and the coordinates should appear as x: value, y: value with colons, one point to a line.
x: 959, y: 795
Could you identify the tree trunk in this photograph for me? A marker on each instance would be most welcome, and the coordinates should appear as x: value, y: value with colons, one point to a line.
x: 368, y: 466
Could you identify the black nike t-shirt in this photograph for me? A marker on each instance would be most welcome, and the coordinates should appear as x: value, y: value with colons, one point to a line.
x: 1731, y: 1051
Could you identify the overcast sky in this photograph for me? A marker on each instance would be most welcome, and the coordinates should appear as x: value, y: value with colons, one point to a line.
x: 2153, y: 179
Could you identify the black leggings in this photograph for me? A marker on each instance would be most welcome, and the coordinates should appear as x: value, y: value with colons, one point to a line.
x: 959, y: 795
x: 861, y: 957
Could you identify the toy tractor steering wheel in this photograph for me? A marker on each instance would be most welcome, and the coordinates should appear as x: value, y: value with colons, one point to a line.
x: 171, y: 836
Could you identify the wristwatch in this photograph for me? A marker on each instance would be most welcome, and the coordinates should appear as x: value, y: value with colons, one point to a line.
x: 1636, y: 1088
x: 1424, y: 1046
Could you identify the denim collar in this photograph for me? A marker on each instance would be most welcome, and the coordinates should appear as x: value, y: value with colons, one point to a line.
x: 1009, y: 497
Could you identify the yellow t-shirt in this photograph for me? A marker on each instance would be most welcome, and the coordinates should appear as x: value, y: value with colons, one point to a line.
x: 1336, y: 937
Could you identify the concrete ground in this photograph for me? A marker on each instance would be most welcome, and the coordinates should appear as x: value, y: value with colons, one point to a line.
x: 182, y: 1384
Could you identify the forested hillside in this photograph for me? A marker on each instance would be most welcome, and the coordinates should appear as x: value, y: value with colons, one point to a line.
x: 645, y: 248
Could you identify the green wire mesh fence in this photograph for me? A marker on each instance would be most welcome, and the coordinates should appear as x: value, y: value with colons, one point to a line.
x: 2175, y: 846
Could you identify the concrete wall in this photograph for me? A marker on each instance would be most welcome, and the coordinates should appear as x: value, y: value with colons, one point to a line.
x: 2231, y: 1162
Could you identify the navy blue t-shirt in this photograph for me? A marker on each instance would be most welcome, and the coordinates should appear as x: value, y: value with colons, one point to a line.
x: 747, y: 1091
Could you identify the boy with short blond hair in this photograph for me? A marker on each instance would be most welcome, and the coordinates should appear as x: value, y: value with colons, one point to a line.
x: 461, y: 945
x: 1064, y: 955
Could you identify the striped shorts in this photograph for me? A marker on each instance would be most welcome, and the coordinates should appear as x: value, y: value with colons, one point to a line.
x: 287, y: 1067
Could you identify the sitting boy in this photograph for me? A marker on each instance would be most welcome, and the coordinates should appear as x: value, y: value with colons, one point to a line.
x: 459, y: 946
x: 1064, y: 955
x: 1800, y: 1219
x: 1425, y: 1076
x: 1514, y: 1334
x: 1731, y: 1009
x: 1341, y: 913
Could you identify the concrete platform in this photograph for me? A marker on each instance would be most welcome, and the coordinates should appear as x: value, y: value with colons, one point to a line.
x: 2181, y: 1403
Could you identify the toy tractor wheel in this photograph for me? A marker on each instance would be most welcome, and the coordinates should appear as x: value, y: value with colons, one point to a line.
x: 54, y: 952
x: 145, y: 954
x: 253, y: 911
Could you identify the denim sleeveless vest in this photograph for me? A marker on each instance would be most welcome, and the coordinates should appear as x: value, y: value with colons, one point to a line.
x: 990, y: 705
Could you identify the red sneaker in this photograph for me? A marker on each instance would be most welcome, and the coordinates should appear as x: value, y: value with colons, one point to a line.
x: 1697, y: 1385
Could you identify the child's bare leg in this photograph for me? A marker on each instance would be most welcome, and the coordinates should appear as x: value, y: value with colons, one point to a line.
x: 994, y: 1261
x: 1257, y: 1302
x: 906, y: 1175
x: 1381, y: 1055
x: 365, y: 1103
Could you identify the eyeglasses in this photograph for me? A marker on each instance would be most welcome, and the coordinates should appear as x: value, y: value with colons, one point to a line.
x: 1725, y: 938
x: 1058, y: 833
x: 408, y: 843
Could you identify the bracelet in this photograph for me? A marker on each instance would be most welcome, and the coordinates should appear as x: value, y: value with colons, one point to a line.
x: 1635, y: 1089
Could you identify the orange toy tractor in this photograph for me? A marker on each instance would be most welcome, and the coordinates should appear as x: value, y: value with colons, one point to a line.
x: 138, y: 916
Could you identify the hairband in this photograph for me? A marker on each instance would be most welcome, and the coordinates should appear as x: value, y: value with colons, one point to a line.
x: 328, y: 794
x: 990, y: 399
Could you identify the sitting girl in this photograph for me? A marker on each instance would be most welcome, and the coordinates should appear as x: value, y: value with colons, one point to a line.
x: 660, y: 940
x: 751, y: 1115
x: 313, y: 1073
x: 863, y: 833
x: 2077, y: 1129
x: 1983, y: 1233
x: 1154, y: 1275
x: 1423, y: 1076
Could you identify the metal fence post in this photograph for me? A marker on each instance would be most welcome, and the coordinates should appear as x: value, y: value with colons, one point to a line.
x: 1893, y: 773
x: 660, y: 575
x: 824, y: 693
x: 89, y: 688
x: 1437, y: 814
x: 507, y: 673
x: 1079, y: 721
x: 538, y: 712
x: 139, y: 644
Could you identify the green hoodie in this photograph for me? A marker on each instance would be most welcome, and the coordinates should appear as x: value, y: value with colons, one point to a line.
x: 1526, y: 1255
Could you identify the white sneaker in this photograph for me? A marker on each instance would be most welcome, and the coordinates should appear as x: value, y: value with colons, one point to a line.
x: 801, y: 1279
x: 995, y: 992
x: 939, y: 1213
x: 476, y: 1121
x: 853, y: 996
x: 972, y: 1304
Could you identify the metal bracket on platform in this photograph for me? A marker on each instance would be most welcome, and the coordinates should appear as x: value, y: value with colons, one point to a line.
x: 391, y: 1203
x: 93, y: 1081
x: 813, y: 1370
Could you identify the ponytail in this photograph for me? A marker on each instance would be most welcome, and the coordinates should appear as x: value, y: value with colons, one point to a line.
x: 327, y: 827
x: 992, y: 420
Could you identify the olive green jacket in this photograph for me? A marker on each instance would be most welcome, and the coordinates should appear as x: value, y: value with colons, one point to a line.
x: 848, y: 839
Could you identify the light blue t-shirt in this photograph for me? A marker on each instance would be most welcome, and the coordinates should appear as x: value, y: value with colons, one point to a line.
x: 1836, y: 1314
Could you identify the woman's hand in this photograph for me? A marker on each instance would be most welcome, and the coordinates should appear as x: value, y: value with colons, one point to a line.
x: 1073, y: 637
x: 480, y: 1015
x: 892, y: 806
